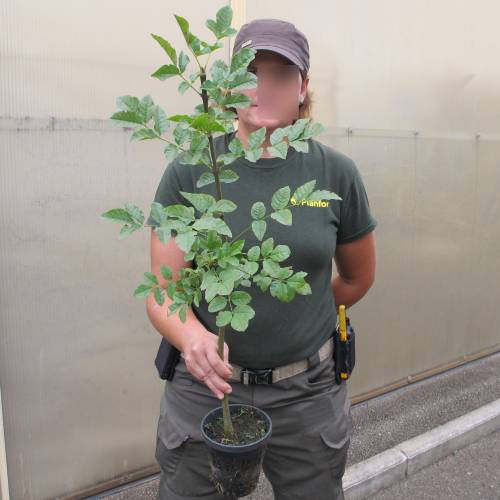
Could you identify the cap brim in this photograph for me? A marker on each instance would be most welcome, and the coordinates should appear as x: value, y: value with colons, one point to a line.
x: 280, y: 50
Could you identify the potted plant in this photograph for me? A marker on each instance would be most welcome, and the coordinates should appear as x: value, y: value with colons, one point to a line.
x: 236, y: 434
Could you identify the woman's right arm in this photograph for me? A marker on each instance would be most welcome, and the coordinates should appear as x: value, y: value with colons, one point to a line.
x: 198, y: 344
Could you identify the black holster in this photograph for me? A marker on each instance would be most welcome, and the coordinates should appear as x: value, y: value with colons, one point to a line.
x: 166, y: 359
x: 344, y: 352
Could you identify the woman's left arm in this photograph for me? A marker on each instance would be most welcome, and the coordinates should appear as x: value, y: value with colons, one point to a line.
x: 356, y: 262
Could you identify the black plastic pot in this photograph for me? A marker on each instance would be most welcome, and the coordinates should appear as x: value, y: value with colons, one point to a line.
x: 235, y: 469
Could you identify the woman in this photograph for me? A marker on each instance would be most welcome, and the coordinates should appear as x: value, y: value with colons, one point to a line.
x: 312, y: 427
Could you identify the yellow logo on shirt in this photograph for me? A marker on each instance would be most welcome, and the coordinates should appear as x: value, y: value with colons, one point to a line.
x: 310, y: 203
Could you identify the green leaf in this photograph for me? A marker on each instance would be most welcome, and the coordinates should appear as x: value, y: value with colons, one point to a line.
x: 304, y: 290
x: 146, y: 108
x: 253, y: 154
x: 236, y: 146
x: 183, y: 312
x: 281, y: 198
x: 259, y: 228
x: 180, y: 118
x: 183, y: 61
x: 283, y: 216
x: 258, y: 210
x: 241, y: 59
x: 205, y: 179
x: 225, y: 288
x: 227, y: 158
x: 118, y: 215
x: 255, y: 139
x: 253, y: 253
x: 272, y: 268
x: 262, y: 282
x: 160, y: 120
x: 321, y: 194
x: 166, y: 71
x: 228, y: 176
x: 241, y: 316
x: 163, y: 234
x: 221, y: 27
x: 201, y: 201
x: 313, y: 129
x: 212, y: 223
x: 126, y: 230
x: 295, y: 130
x: 166, y: 272
x: 217, y: 304
x: 127, y: 117
x: 182, y: 134
x: 158, y: 295
x: 211, y: 291
x: 194, y: 42
x: 298, y: 283
x: 303, y: 191
x: 280, y: 150
x: 171, y: 289
x: 230, y: 275
x: 151, y: 279
x: 128, y: 103
x: 235, y: 101
x: 173, y: 307
x: 135, y: 212
x: 250, y: 267
x: 207, y: 123
x: 239, y: 298
x: 280, y: 253
x: 267, y: 246
x: 240, y: 81
x: 278, y: 135
x: 142, y: 134
x: 180, y: 212
x: 183, y: 25
x: 183, y: 86
x: 223, y: 205
x: 300, y: 146
x: 223, y: 318
x: 236, y: 247
x: 219, y: 72
x: 142, y: 291
x: 158, y: 213
x: 166, y: 47
x: 171, y: 151
x: 185, y: 240
x: 281, y: 291
x: 224, y: 17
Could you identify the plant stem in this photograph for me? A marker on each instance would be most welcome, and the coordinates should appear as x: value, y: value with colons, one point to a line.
x: 228, y: 424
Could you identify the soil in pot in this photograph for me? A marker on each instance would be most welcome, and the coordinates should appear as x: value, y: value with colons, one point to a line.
x: 249, y: 426
x: 236, y: 463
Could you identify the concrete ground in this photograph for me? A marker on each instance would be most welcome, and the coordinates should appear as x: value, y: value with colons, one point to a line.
x: 385, y: 421
x: 471, y: 472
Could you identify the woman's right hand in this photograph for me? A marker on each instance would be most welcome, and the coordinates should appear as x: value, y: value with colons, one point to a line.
x: 203, y: 361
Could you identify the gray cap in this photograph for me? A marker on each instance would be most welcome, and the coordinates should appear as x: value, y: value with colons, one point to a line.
x: 276, y: 35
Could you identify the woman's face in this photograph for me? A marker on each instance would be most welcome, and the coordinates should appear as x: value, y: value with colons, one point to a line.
x: 275, y: 100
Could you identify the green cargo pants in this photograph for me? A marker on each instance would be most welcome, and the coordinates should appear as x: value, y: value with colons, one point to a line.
x: 305, y: 457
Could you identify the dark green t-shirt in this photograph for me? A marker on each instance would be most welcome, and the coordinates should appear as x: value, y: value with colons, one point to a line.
x: 284, y: 332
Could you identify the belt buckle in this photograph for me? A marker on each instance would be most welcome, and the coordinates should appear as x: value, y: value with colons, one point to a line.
x: 249, y: 376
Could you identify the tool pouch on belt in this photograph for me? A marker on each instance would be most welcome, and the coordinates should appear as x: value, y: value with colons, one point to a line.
x: 166, y: 359
x: 344, y: 353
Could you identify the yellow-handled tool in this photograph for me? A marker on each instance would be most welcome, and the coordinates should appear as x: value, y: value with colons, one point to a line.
x: 343, y: 333
x: 344, y: 347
